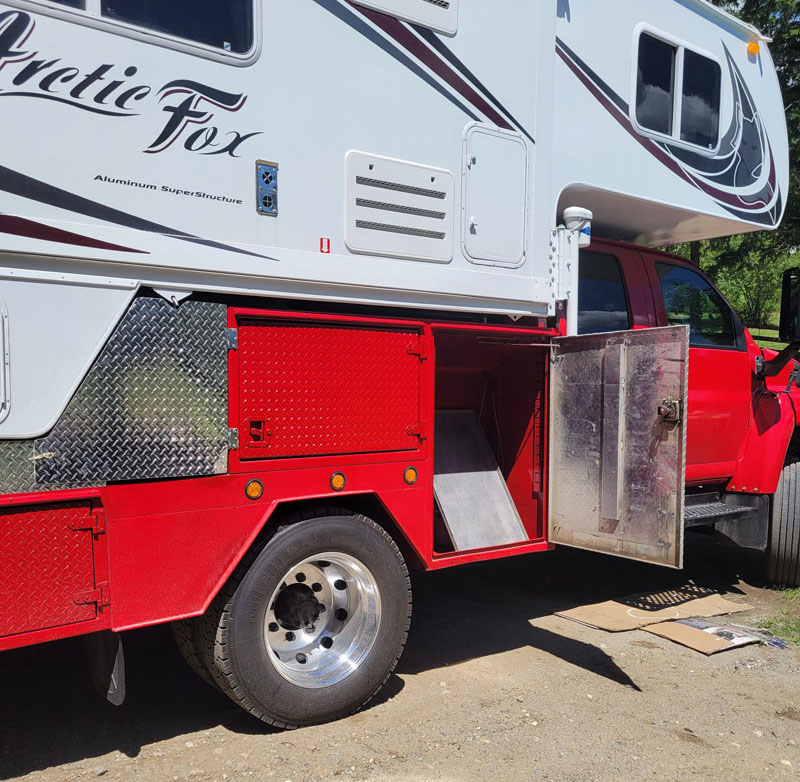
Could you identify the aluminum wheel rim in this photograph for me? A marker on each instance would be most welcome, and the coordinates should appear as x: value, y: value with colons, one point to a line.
x: 322, y: 620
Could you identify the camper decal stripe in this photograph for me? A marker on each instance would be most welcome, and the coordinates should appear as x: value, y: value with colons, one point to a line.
x: 438, y: 44
x: 19, y: 226
x: 26, y: 187
x: 359, y: 25
x: 426, y: 49
x: 745, y: 152
x: 403, y: 35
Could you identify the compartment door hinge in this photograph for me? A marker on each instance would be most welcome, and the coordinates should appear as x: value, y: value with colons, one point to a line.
x: 418, y: 349
x: 233, y: 439
x: 419, y: 430
x: 94, y: 523
x: 233, y: 339
x: 100, y: 595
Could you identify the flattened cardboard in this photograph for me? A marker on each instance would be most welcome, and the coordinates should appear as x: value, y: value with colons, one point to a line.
x: 700, y: 638
x: 635, y: 611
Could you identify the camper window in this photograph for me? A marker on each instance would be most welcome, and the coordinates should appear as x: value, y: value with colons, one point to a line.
x: 655, y: 84
x: 678, y: 93
x: 224, y: 31
x: 227, y: 26
x: 700, y: 100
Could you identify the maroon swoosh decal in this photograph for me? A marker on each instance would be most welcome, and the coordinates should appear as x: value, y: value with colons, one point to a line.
x: 612, y: 109
x: 397, y: 30
x: 19, y: 226
x: 726, y: 198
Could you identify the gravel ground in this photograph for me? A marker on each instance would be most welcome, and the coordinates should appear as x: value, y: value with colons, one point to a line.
x: 492, y: 685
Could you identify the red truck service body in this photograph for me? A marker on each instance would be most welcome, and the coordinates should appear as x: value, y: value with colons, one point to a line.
x: 324, y: 306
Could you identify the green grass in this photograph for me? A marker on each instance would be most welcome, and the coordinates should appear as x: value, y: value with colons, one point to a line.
x: 767, y: 338
x: 792, y: 595
x: 785, y: 626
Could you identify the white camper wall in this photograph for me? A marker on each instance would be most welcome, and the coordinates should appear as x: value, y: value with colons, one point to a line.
x: 641, y: 186
x: 325, y: 79
x: 131, y: 156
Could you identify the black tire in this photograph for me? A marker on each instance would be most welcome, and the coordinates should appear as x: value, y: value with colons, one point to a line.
x: 783, y: 552
x: 235, y: 630
x: 188, y: 640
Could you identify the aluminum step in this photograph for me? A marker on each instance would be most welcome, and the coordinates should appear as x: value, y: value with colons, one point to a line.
x: 710, y: 512
x: 469, y: 487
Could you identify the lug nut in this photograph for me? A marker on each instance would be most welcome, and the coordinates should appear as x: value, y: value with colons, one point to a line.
x: 290, y: 636
x: 301, y: 577
x: 341, y: 614
x: 317, y: 587
x: 273, y: 627
x: 301, y: 658
x: 327, y: 642
x: 340, y: 584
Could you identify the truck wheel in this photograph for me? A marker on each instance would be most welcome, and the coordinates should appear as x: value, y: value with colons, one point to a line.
x: 783, y: 554
x: 314, y: 626
x: 187, y: 639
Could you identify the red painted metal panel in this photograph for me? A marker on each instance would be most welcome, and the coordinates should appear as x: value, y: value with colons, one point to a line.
x: 48, y: 574
x: 173, y: 544
x: 317, y: 389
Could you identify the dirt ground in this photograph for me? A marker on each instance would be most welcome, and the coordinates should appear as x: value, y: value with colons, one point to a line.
x: 492, y: 686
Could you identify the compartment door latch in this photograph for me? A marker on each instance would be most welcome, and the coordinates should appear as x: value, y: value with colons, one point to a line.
x: 671, y: 410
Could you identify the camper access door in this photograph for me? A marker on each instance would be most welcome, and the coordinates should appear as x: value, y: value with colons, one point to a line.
x: 617, y: 443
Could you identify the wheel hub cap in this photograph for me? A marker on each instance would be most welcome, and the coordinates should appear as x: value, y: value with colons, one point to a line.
x: 322, y: 620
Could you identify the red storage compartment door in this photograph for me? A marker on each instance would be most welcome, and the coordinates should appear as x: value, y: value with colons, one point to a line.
x: 314, y: 389
x: 47, y: 575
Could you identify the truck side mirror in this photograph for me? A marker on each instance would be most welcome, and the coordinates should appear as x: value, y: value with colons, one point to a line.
x: 790, y: 306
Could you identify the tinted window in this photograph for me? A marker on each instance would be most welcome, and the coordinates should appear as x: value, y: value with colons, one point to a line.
x: 702, y: 88
x: 654, y: 84
x: 224, y: 24
x: 691, y: 301
x: 602, y: 305
x: 72, y: 3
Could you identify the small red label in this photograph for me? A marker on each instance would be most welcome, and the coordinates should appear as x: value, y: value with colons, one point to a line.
x: 325, y: 246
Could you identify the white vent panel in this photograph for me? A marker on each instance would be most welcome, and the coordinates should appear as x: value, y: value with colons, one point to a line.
x: 398, y: 209
x: 440, y: 15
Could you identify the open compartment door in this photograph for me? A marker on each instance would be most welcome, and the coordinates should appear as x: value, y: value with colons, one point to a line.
x: 618, y: 443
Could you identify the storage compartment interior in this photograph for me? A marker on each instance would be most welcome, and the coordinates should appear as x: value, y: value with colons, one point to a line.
x: 489, y: 438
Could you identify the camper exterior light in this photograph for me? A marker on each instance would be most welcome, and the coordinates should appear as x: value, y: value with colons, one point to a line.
x: 754, y: 48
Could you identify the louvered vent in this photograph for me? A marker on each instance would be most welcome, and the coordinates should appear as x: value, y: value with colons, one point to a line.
x: 399, y: 209
x: 440, y: 15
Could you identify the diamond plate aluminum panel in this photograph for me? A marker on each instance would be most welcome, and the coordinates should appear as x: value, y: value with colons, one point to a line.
x: 154, y: 405
x: 323, y: 389
x: 616, y: 467
x: 18, y: 470
x: 47, y: 566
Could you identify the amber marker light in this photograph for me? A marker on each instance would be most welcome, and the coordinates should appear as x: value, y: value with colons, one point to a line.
x: 410, y: 475
x: 754, y: 48
x: 338, y: 481
x: 254, y: 490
